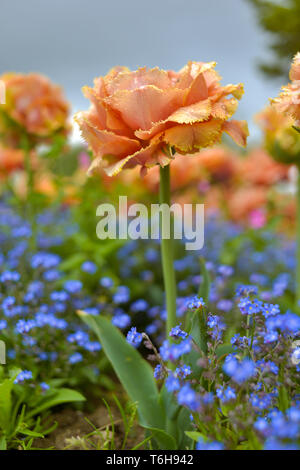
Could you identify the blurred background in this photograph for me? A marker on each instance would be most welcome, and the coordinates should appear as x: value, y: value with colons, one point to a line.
x: 75, y: 40
x: 72, y: 42
x: 52, y: 263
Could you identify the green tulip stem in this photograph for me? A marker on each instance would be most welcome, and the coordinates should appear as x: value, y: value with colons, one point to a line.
x: 167, y: 256
x: 298, y: 243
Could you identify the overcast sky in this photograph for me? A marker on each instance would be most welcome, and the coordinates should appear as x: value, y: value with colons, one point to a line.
x: 72, y: 41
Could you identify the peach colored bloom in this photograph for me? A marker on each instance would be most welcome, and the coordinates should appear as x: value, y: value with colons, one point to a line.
x: 288, y: 101
x: 260, y: 168
x: 35, y: 104
x: 184, y: 172
x: 215, y: 200
x: 217, y: 165
x: 10, y: 160
x: 220, y: 164
x: 13, y: 159
x: 136, y: 117
x: 45, y: 185
x: 243, y: 201
x: 272, y: 121
x: 278, y: 131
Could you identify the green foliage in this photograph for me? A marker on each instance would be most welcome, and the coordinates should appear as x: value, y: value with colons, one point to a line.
x: 282, y: 21
x: 282, y: 156
x: 134, y: 372
x: 297, y: 129
x: 19, y: 406
x: 158, y: 414
x: 104, y: 438
x: 206, y: 281
x: 54, y: 398
x: 198, y: 329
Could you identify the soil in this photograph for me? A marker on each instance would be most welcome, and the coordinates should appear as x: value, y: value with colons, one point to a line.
x: 72, y: 430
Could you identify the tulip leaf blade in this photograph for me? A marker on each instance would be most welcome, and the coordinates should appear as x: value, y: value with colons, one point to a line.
x: 134, y: 373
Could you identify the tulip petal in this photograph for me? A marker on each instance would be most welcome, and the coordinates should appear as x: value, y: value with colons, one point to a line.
x: 139, y: 78
x: 224, y: 108
x: 198, y: 78
x: 236, y: 91
x: 190, y: 138
x: 113, y: 73
x: 146, y: 157
x: 198, y: 90
x: 152, y: 108
x: 197, y: 112
x: 115, y: 168
x: 157, y: 128
x: 141, y: 107
x: 238, y: 131
x: 97, y: 103
x: 189, y: 72
x: 295, y: 68
x: 103, y: 142
x: 187, y: 115
x: 103, y: 117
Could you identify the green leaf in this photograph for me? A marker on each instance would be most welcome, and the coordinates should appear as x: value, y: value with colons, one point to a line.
x: 169, y: 403
x: 296, y: 128
x: 179, y: 415
x: 283, y: 399
x: 63, y: 395
x: 3, y: 444
x: 164, y: 440
x: 205, y: 284
x: 109, y: 247
x: 198, y: 329
x: 135, y: 374
x: 184, y: 424
x: 62, y: 163
x: 194, y: 435
x: 224, y: 349
x: 56, y: 148
x: 191, y: 360
x: 27, y: 432
x: 6, y: 404
x: 283, y: 156
x: 231, y: 250
x: 73, y: 261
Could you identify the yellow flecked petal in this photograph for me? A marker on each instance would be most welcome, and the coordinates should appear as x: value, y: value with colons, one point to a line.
x: 197, y: 112
x: 187, y: 115
x: 224, y: 109
x: 190, y: 138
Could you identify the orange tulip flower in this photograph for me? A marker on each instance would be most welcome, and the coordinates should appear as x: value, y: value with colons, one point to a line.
x: 34, y: 104
x: 243, y: 201
x: 278, y: 128
x: 259, y: 168
x: 288, y: 101
x: 10, y: 160
x: 143, y: 117
x: 220, y: 163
